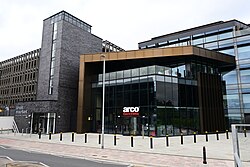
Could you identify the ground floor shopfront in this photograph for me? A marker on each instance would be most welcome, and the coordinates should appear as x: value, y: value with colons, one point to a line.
x: 151, y: 100
x: 43, y: 122
x: 153, y: 91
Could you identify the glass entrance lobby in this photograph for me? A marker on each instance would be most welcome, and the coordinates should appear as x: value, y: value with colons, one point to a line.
x: 167, y: 97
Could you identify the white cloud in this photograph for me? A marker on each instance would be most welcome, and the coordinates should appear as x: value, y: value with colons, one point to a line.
x: 123, y: 22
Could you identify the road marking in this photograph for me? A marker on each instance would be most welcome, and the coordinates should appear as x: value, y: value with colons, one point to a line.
x: 3, y: 147
x: 44, y: 164
x: 6, y: 157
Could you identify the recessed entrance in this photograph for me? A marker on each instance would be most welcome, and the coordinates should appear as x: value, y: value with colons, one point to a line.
x: 44, y: 122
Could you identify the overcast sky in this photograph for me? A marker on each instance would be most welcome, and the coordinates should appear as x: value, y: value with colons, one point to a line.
x: 122, y: 22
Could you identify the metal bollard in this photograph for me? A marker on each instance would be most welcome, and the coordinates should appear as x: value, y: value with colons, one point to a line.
x: 132, y: 141
x: 99, y: 139
x: 73, y: 136
x: 60, y: 136
x: 227, y: 134
x: 206, y: 136
x: 22, y: 131
x: 217, y: 134
x: 245, y: 132
x: 167, y: 142
x: 181, y: 138
x: 204, y: 155
x: 151, y: 142
x: 39, y: 134
x: 49, y: 135
x: 114, y: 139
x: 85, y: 137
x: 194, y: 137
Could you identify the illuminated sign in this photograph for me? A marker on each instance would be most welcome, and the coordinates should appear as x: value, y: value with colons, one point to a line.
x: 131, y: 111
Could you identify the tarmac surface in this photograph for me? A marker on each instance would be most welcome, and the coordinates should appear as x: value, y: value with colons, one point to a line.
x: 189, y: 154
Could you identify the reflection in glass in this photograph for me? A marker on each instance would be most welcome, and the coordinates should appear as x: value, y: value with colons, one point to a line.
x: 244, y: 52
x: 168, y: 104
x: 233, y: 101
x: 246, y: 100
x: 225, y: 35
x: 230, y: 77
x: 245, y: 76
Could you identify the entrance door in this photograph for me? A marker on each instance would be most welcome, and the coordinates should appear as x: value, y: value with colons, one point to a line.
x: 44, y: 122
x: 131, y: 126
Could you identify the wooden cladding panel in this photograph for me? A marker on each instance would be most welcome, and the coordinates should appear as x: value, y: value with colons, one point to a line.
x: 210, y: 103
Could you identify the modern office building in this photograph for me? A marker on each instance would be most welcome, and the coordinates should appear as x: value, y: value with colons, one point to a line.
x: 231, y: 37
x: 18, y: 80
x: 40, y: 87
x: 156, y: 91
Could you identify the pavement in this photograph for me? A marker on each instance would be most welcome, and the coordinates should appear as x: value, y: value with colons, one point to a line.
x: 189, y: 154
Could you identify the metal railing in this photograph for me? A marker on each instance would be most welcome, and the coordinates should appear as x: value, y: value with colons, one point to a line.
x: 236, y: 149
x: 14, y: 126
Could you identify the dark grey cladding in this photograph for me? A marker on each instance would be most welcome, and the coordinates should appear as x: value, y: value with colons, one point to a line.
x: 71, y: 42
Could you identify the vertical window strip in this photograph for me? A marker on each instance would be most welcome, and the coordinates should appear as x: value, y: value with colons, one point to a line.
x: 52, y: 62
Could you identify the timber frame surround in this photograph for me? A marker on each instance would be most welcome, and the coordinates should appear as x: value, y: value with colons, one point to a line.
x: 85, y: 70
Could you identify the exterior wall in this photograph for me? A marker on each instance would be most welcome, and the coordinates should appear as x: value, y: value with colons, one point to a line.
x: 74, y: 41
x: 91, y: 64
x: 23, y: 117
x: 71, y: 41
x: 211, y: 103
x: 18, y: 78
x: 231, y: 37
x: 44, y: 66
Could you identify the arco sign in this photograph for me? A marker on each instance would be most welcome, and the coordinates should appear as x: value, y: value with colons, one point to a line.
x: 130, y: 111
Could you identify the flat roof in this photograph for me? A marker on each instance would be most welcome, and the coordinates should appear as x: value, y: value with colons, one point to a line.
x: 222, y: 58
x: 198, y: 29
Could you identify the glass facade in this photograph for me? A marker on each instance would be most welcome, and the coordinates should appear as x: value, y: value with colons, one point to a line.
x: 233, y: 40
x: 167, y: 97
x: 71, y: 19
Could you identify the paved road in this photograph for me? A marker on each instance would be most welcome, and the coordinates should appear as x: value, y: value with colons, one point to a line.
x: 51, y: 160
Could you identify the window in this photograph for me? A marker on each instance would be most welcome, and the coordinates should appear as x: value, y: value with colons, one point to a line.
x: 245, y: 76
x: 52, y: 63
x: 198, y: 41
x: 225, y: 35
x: 244, y: 63
x: 211, y: 38
x: 230, y: 77
x: 246, y: 100
x: 233, y: 101
x: 244, y: 52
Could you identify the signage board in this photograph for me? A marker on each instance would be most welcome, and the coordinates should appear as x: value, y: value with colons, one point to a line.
x: 131, y: 111
x: 20, y: 111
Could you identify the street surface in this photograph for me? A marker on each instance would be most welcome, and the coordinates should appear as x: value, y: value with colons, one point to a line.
x: 189, y: 154
x: 51, y: 160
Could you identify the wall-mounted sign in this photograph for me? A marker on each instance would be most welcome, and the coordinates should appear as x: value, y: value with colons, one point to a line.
x: 131, y: 111
x: 20, y: 111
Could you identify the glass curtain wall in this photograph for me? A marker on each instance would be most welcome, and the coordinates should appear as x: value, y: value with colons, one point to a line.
x: 167, y: 98
x: 235, y: 42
